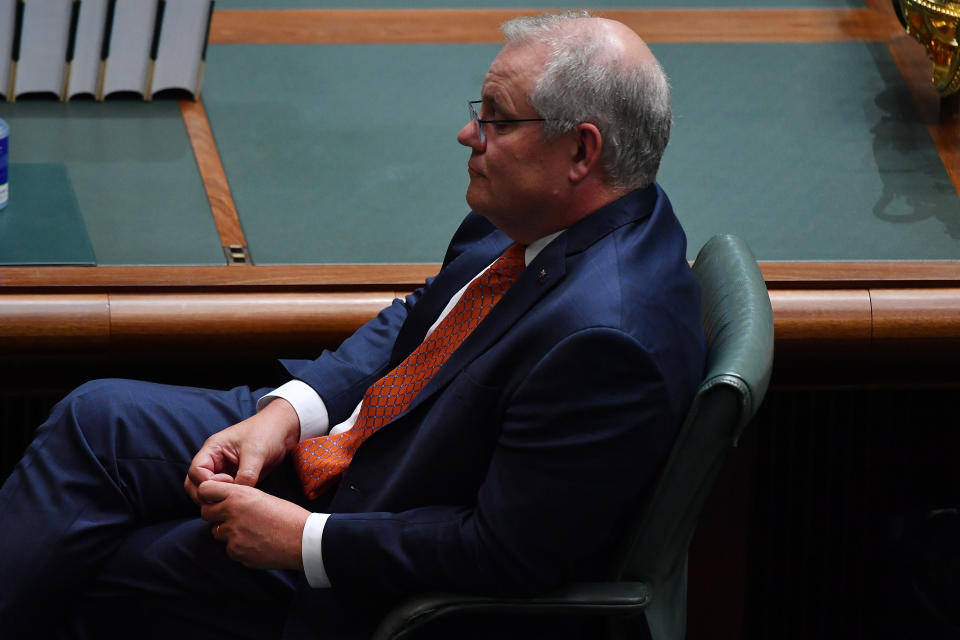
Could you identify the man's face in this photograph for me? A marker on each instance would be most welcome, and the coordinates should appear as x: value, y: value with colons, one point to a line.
x: 516, y: 178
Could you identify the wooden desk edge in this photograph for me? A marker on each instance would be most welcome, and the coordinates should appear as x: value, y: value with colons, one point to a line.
x: 811, y: 320
x: 778, y: 275
x: 269, y: 277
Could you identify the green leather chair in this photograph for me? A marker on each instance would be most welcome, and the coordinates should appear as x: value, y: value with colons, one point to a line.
x: 647, y: 588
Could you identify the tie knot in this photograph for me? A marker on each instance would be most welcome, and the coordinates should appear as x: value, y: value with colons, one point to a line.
x: 510, y: 263
x: 515, y: 251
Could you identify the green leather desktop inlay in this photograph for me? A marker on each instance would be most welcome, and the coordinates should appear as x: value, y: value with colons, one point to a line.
x: 347, y: 153
x: 539, y: 4
x: 42, y: 224
x: 807, y: 151
x: 344, y: 153
x: 132, y: 169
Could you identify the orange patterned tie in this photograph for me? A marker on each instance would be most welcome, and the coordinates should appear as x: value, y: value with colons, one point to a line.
x: 321, y: 461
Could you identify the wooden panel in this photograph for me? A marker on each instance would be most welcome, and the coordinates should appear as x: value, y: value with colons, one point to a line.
x: 779, y: 275
x: 807, y: 321
x: 483, y: 25
x: 211, y: 172
x: 240, y: 320
x: 41, y: 321
x: 834, y: 316
x: 172, y: 317
x: 912, y: 314
x: 403, y: 276
x: 790, y: 275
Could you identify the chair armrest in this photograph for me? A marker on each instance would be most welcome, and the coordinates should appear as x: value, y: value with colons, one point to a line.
x: 600, y: 598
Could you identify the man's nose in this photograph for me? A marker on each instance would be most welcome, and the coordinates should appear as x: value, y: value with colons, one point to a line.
x: 469, y: 136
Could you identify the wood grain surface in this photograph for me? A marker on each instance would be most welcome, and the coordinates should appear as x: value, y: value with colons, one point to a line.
x: 211, y: 172
x: 358, y: 26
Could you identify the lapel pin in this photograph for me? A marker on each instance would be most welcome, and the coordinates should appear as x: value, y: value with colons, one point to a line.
x: 542, y: 275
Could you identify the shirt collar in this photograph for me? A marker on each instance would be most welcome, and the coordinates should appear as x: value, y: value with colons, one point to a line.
x: 538, y: 245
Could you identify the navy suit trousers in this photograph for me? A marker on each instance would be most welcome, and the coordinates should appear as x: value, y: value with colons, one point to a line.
x: 97, y: 532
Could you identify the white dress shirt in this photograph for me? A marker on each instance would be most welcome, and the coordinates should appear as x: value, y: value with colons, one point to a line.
x: 314, y: 422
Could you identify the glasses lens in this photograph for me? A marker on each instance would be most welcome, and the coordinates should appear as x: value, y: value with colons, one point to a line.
x: 476, y: 119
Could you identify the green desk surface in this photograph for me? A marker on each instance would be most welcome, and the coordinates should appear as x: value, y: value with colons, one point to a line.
x: 344, y: 153
x: 808, y: 151
x: 133, y: 173
x: 347, y: 153
x: 42, y: 224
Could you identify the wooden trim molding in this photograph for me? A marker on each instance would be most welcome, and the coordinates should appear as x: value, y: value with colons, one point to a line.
x: 396, y: 26
x: 313, y: 277
x: 212, y: 173
x: 822, y: 315
x: 778, y: 275
x: 219, y: 319
x: 860, y: 274
x: 77, y: 321
x: 807, y: 320
x: 895, y: 317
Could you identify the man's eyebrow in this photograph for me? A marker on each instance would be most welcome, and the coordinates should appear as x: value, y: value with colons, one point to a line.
x: 490, y: 100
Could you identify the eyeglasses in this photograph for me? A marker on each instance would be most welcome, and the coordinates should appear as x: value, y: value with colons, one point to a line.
x: 480, y: 122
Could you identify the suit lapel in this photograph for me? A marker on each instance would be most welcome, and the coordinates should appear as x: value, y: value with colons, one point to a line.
x: 540, y: 276
x: 546, y: 271
x: 448, y: 282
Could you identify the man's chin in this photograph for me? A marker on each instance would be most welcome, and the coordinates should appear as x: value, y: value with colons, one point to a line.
x: 475, y: 199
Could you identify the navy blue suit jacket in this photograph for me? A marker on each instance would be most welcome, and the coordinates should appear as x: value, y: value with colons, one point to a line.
x: 513, y: 469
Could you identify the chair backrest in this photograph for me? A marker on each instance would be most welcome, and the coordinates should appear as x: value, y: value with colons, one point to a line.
x: 738, y: 321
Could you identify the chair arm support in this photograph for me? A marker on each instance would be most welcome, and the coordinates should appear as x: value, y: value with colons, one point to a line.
x: 600, y: 598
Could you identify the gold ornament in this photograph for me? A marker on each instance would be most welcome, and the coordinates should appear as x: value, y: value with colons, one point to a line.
x: 936, y: 25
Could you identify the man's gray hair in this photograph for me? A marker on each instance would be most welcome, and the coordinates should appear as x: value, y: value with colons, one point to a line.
x: 587, y: 80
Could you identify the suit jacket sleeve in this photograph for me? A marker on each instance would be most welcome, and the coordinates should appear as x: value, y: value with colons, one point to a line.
x: 341, y: 377
x: 580, y: 437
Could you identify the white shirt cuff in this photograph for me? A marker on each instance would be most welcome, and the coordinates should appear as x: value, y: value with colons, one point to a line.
x: 314, y: 420
x: 312, y: 551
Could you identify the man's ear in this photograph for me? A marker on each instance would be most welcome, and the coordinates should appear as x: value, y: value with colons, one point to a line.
x: 586, y: 154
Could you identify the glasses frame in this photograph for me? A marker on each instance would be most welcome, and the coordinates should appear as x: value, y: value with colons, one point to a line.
x: 475, y: 115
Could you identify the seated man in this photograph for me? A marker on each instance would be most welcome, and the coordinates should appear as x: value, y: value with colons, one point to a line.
x: 490, y: 434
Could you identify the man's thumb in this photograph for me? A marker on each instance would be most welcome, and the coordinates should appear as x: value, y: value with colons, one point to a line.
x: 249, y: 472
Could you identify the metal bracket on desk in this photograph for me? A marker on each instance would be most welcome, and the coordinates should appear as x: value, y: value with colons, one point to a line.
x: 237, y: 254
